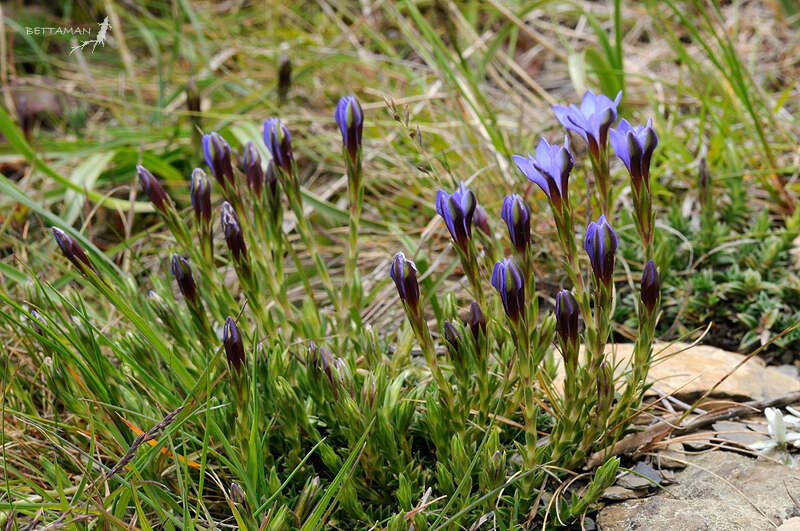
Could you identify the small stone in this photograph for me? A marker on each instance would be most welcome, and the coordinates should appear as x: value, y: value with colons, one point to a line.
x: 672, y: 456
x: 737, y: 432
x: 788, y: 370
x: 617, y: 493
x: 643, y: 476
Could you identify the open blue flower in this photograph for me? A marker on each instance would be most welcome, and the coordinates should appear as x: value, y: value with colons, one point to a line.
x: 549, y: 169
x: 592, y: 119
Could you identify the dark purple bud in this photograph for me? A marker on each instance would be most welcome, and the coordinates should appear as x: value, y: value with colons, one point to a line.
x: 476, y: 321
x: 279, y: 142
x: 600, y: 245
x: 634, y: 146
x: 201, y: 196
x: 192, y: 96
x: 350, y: 118
x: 451, y: 335
x: 232, y: 231
x: 457, y: 210
x: 234, y: 345
x: 507, y: 280
x: 404, y: 274
x: 518, y: 220
x: 284, y: 77
x: 319, y: 359
x: 591, y: 120
x: 651, y: 286
x: 549, y: 169
x: 481, y: 221
x: 182, y: 272
x: 251, y: 164
x: 218, y: 157
x: 37, y: 318
x: 567, y: 318
x: 237, y: 494
x: 72, y: 250
x: 152, y: 188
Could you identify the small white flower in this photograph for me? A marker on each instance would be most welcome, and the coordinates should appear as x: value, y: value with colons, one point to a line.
x: 776, y: 425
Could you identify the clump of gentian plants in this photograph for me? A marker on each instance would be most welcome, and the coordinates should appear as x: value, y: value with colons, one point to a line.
x: 307, y: 415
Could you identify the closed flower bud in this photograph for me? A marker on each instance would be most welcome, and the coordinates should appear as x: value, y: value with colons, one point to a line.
x: 237, y: 494
x: 404, y: 274
x: 200, y: 192
x: 182, y: 272
x: 152, y: 188
x: 567, y: 318
x: 451, y: 334
x: 72, y: 250
x: 37, y: 318
x: 279, y: 142
x: 457, y: 210
x: 251, y: 164
x: 233, y: 231
x: 273, y: 194
x: 234, y: 346
x: 350, y: 118
x: 217, y: 153
x: 507, y: 280
x: 284, y: 77
x: 192, y: 96
x: 600, y: 245
x: 518, y: 220
x: 476, y: 321
x: 481, y: 221
x: 651, y: 286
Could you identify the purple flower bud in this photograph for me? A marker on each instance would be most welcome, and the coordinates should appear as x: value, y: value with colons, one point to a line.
x: 279, y: 142
x: 152, y: 188
x: 251, y: 164
x: 218, y: 157
x: 404, y: 274
x: 481, y: 221
x: 457, y: 211
x: 476, y: 321
x: 343, y: 378
x: 600, y: 245
x: 549, y: 169
x: 507, y: 280
x: 72, y: 250
x: 350, y: 118
x: 237, y: 494
x: 518, y: 219
x: 451, y: 334
x: 37, y: 318
x: 234, y: 346
x: 200, y: 193
x: 651, y: 286
x: 319, y: 359
x: 182, y: 272
x: 634, y: 147
x: 233, y: 231
x: 284, y: 77
x: 567, y: 318
x: 591, y: 120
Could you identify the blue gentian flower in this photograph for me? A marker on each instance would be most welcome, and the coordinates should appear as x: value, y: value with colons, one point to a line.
x: 155, y: 192
x: 518, y: 219
x: 404, y: 274
x: 507, y: 280
x: 217, y: 153
x: 600, y: 245
x: 591, y: 120
x: 253, y: 171
x: 350, y: 118
x: 457, y: 210
x: 549, y: 169
x: 567, y: 313
x: 182, y: 272
x: 279, y: 142
x: 71, y: 249
x: 234, y: 346
x: 232, y: 231
x: 200, y: 192
x: 651, y: 286
x: 634, y: 146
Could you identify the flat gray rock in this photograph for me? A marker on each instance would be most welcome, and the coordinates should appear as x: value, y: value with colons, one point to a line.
x: 720, y: 491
